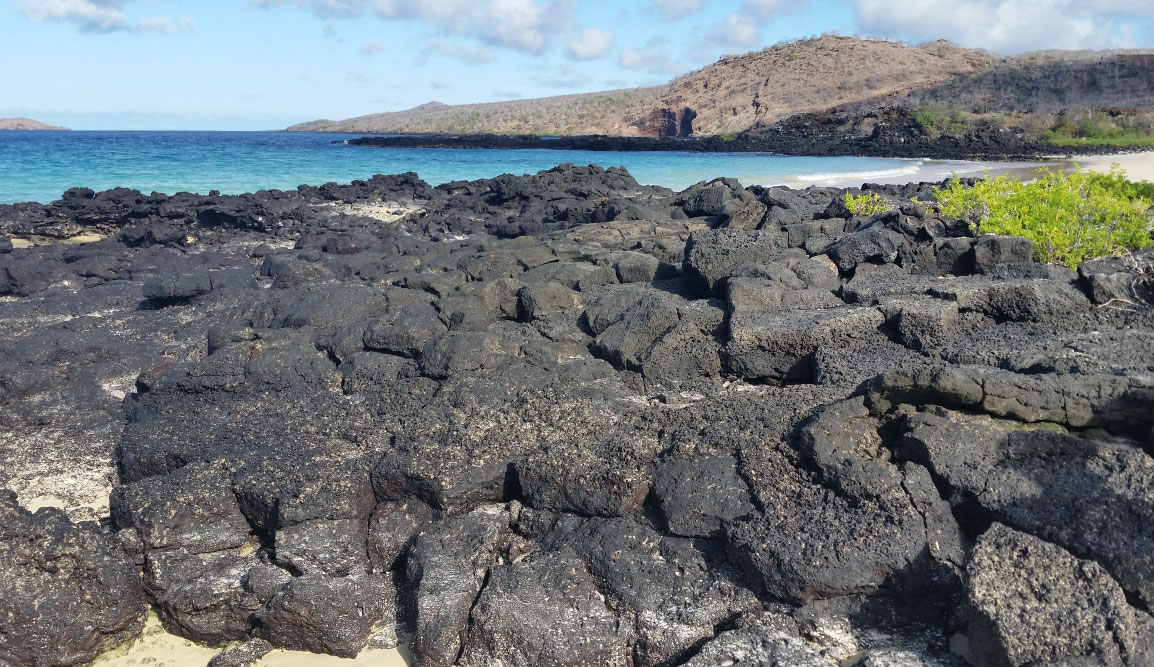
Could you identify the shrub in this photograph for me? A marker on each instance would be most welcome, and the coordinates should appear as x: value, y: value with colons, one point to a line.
x: 937, y: 120
x: 1069, y: 217
x: 1095, y: 128
x: 869, y: 203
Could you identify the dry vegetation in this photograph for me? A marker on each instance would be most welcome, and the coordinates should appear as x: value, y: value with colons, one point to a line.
x: 812, y: 75
x: 591, y: 113
x: 728, y: 96
x: 1079, y: 95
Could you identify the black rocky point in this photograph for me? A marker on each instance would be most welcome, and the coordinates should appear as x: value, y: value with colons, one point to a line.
x: 565, y: 419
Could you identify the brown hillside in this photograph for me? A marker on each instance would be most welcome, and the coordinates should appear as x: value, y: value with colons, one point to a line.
x: 730, y: 95
x: 807, y: 76
x: 589, y: 113
x: 1050, y: 81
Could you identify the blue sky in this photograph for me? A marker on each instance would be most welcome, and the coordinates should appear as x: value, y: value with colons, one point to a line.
x: 263, y: 64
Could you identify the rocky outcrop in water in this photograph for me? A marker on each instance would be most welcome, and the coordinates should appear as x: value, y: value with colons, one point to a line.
x: 565, y: 419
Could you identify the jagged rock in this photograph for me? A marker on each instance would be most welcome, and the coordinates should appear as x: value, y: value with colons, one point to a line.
x: 991, y: 251
x: 321, y: 546
x: 768, y: 341
x: 1118, y: 280
x: 637, y: 267
x: 1056, y: 486
x: 545, y: 610
x: 711, y: 255
x: 447, y: 565
x: 677, y: 589
x: 1035, y: 603
x: 331, y: 615
x: 639, y: 327
x: 921, y: 322
x: 874, y: 244
x: 177, y: 288
x: 760, y: 645
x: 698, y: 497
x: 536, y: 301
x: 245, y: 655
x: 66, y: 594
x: 1077, y: 401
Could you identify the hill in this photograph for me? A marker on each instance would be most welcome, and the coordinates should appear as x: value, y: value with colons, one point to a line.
x: 26, y: 124
x: 589, y: 113
x: 1072, y: 95
x: 738, y: 92
x: 728, y: 96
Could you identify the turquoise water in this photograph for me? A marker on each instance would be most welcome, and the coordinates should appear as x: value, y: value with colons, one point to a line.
x: 38, y: 166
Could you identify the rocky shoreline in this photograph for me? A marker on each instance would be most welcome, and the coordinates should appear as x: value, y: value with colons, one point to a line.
x: 566, y: 419
x: 890, y: 132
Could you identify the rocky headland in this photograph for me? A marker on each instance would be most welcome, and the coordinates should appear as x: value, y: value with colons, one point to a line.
x: 26, y: 124
x: 890, y: 132
x: 566, y: 419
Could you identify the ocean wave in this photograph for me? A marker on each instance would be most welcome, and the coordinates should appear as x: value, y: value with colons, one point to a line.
x: 861, y: 175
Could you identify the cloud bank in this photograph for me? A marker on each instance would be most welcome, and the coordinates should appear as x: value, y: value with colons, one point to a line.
x: 530, y: 26
x: 100, y: 16
x: 591, y: 43
x: 1007, y: 26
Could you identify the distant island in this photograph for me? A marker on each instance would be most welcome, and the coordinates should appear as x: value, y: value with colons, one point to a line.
x: 27, y: 124
x: 840, y: 86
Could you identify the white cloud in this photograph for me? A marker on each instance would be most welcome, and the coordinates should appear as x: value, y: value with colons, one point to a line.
x: 372, y: 46
x: 675, y: 9
x: 591, y: 43
x: 737, y: 34
x: 532, y: 26
x: 324, y: 8
x: 766, y: 10
x: 456, y: 51
x: 654, y: 58
x: 522, y: 25
x: 99, y: 16
x: 1007, y: 26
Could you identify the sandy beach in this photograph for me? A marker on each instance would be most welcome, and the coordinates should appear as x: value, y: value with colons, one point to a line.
x: 1138, y: 166
x: 157, y: 648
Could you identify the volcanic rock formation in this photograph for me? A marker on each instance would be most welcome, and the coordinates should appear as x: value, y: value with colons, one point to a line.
x: 565, y: 419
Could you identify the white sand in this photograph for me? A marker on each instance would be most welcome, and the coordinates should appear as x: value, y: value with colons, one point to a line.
x: 157, y: 648
x: 1138, y: 166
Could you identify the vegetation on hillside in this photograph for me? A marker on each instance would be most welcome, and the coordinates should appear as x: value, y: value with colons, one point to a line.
x: 592, y: 113
x: 1070, y: 97
x: 1069, y: 217
x: 1097, y: 128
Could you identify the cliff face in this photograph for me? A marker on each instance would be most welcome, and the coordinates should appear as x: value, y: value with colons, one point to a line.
x: 763, y: 87
x: 27, y: 124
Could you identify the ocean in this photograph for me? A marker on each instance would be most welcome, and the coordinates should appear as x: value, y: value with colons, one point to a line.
x: 39, y: 166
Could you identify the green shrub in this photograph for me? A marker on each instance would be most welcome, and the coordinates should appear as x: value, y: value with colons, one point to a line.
x: 869, y: 203
x: 937, y: 120
x: 1069, y: 217
x: 1100, y: 129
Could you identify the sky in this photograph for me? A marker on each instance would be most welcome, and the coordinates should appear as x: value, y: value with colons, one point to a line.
x: 266, y: 64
